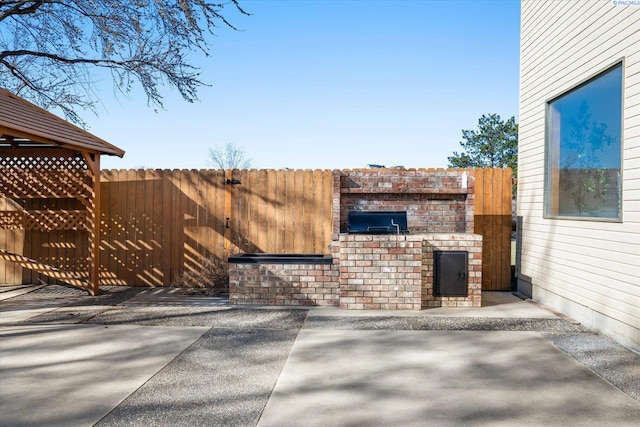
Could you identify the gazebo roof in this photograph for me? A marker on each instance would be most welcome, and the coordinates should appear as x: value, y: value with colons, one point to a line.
x: 23, y: 123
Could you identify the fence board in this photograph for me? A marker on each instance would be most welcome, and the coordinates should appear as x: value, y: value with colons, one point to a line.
x: 13, y: 241
x: 492, y: 219
x: 492, y: 249
x: 309, y: 191
x: 298, y: 213
x: 322, y: 216
x: 506, y: 226
x: 219, y: 218
x: 123, y: 234
x: 188, y: 245
x: 175, y: 228
x: 145, y: 229
x: 250, y: 210
x: 133, y: 208
x: 278, y: 205
x: 115, y: 223
x: 154, y: 203
x: 249, y: 180
x: 263, y: 233
x: 489, y: 222
x: 119, y: 207
x: 167, y: 224
x: 105, y: 225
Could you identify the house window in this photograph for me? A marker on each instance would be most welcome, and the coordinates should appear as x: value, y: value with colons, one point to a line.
x: 584, y: 150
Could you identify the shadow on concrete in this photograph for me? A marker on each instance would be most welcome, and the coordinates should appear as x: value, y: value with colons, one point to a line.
x: 350, y: 378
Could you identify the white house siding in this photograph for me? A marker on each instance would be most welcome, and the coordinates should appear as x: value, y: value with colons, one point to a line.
x: 586, y: 269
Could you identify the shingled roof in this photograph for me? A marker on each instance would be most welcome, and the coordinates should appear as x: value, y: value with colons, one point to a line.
x: 23, y: 123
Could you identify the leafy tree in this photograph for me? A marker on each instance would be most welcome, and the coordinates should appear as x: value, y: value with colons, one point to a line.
x: 229, y: 157
x: 493, y: 145
x: 51, y: 50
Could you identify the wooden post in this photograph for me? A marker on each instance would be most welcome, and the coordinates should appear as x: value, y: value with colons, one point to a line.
x: 93, y: 163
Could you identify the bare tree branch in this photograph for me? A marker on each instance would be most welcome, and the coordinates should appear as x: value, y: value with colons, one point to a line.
x: 51, y: 50
x: 229, y: 157
x: 19, y: 8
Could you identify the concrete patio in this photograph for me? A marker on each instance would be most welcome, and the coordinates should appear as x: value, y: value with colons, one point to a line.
x: 155, y: 357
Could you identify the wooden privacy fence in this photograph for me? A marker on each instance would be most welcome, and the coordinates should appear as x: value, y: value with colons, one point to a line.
x: 157, y: 224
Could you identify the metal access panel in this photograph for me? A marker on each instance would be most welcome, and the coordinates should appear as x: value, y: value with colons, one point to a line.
x: 451, y: 271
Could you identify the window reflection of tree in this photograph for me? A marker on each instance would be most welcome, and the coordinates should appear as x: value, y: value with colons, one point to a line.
x: 582, y: 179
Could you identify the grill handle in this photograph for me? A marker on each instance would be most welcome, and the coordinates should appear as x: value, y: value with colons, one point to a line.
x: 397, y: 226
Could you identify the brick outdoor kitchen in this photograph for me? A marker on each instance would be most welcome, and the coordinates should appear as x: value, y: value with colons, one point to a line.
x: 376, y: 271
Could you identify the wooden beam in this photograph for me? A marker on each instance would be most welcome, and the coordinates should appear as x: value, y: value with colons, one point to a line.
x: 43, y: 151
x: 48, y: 144
x: 93, y: 162
x: 35, y: 138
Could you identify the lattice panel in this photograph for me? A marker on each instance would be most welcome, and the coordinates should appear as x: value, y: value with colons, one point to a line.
x: 45, y: 177
x: 11, y: 220
x: 44, y: 220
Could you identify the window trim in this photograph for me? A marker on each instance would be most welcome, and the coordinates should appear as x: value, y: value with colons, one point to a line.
x: 547, y: 137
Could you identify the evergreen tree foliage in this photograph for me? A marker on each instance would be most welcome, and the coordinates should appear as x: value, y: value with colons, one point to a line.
x: 493, y: 145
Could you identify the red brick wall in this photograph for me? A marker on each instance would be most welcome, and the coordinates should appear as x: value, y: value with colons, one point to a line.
x: 284, y: 284
x: 435, y: 200
x: 370, y: 272
x: 392, y: 272
x: 380, y: 272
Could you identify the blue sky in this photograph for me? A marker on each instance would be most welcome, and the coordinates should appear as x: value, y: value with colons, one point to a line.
x: 329, y: 85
